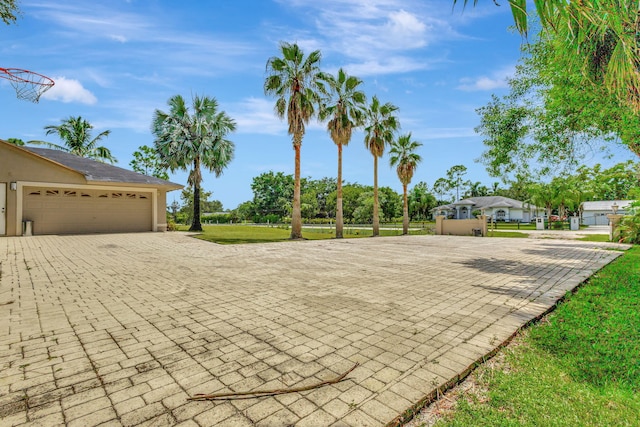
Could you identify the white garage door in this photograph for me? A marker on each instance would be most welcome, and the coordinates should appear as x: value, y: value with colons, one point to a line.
x: 69, y: 211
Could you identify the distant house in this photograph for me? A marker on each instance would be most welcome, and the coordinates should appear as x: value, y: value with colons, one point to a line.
x: 595, y: 213
x: 497, y: 207
x: 60, y: 193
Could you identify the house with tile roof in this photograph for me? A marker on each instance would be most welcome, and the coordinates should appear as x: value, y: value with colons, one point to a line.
x: 498, y: 208
x: 56, y: 192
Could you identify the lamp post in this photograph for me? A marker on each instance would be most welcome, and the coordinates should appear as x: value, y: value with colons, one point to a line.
x: 614, y: 221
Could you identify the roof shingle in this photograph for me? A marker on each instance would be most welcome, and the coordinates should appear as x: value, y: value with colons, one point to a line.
x: 98, y: 171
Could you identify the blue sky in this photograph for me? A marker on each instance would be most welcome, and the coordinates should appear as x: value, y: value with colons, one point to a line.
x: 116, y: 61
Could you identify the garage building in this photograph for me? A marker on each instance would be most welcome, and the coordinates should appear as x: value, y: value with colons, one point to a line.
x: 45, y: 191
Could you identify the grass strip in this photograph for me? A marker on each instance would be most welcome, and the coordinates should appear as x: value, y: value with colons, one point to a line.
x: 580, y: 366
x: 513, y: 234
x: 595, y: 238
x: 242, y: 234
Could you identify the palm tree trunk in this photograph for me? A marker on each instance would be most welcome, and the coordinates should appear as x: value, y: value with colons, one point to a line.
x: 405, y: 211
x: 196, y: 225
x: 339, y: 219
x: 296, y: 216
x: 376, y: 220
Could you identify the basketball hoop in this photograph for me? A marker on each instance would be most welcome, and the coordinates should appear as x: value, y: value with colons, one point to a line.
x: 28, y: 85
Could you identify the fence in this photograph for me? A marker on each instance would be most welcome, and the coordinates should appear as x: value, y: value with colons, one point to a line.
x: 461, y: 227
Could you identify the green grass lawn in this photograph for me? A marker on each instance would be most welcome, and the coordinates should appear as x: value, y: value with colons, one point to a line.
x: 511, y: 226
x: 240, y: 234
x: 579, y: 367
x: 595, y: 238
x: 531, y: 226
x: 514, y: 234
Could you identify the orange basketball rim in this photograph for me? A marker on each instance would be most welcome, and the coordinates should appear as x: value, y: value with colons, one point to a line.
x: 27, y: 84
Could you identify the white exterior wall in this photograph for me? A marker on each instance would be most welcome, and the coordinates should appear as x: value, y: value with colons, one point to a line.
x: 597, y: 218
x: 511, y: 214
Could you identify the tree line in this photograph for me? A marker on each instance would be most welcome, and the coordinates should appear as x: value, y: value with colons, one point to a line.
x: 272, y: 191
x: 562, y: 195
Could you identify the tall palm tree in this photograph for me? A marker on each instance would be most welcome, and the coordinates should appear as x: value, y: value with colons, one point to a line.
x: 345, y: 108
x: 198, y: 139
x: 293, y: 80
x: 75, y: 132
x: 404, y: 157
x: 380, y: 127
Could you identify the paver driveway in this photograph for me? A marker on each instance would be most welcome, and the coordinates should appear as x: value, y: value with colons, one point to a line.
x: 121, y: 329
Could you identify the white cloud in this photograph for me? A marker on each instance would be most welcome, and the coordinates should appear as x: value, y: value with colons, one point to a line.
x: 256, y: 115
x: 482, y: 83
x: 69, y: 90
x: 95, y: 20
x: 136, y: 117
x: 118, y: 38
x: 497, y: 80
x: 377, y: 36
x: 445, y: 133
x: 145, y: 36
x: 399, y: 64
x: 406, y: 29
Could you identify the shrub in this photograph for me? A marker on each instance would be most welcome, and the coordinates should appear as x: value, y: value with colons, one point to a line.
x: 319, y: 221
x: 630, y: 225
x: 264, y: 219
x: 217, y: 218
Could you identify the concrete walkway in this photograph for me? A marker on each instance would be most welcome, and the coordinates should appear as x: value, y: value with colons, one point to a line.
x: 121, y: 329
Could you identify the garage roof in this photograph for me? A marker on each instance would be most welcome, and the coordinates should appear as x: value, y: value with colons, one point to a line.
x: 487, y: 202
x: 605, y: 205
x: 98, y: 171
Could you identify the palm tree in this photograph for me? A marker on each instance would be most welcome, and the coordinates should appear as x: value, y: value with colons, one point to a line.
x: 495, y: 188
x: 75, y: 132
x: 404, y: 157
x: 346, y: 110
x: 15, y: 141
x: 476, y: 189
x: 197, y: 139
x: 380, y: 127
x: 293, y: 80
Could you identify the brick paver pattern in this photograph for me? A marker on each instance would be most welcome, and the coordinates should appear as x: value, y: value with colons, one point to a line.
x: 121, y: 329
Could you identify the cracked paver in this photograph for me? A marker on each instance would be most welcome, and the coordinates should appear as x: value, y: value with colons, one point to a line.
x: 121, y: 329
